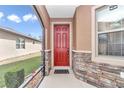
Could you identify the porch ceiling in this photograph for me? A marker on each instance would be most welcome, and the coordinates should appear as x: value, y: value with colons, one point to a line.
x: 61, y: 11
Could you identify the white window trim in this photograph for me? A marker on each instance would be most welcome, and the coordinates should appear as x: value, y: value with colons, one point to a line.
x: 20, y: 43
x: 101, y: 59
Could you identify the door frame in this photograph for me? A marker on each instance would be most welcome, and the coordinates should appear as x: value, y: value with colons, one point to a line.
x: 70, y: 44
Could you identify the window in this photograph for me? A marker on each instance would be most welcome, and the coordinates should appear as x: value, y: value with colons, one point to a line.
x: 110, y: 30
x: 17, y: 44
x: 20, y: 44
x: 33, y: 42
x: 103, y: 44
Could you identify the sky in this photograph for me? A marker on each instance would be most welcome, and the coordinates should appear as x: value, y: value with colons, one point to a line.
x: 21, y: 18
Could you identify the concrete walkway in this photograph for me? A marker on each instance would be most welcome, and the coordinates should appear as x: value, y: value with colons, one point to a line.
x: 63, y: 81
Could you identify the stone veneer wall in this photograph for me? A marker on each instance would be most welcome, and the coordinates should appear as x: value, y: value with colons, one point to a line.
x: 47, y: 62
x: 97, y: 74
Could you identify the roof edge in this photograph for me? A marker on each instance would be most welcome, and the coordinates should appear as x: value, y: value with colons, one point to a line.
x: 10, y: 30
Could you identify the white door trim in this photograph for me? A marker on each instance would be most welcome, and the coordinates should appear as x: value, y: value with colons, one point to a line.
x: 70, y: 44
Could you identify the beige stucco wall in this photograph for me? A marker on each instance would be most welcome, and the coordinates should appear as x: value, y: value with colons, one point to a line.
x: 8, y: 46
x: 82, y: 28
x: 46, y: 21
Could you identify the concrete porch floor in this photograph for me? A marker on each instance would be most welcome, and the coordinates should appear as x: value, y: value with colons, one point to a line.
x: 63, y: 81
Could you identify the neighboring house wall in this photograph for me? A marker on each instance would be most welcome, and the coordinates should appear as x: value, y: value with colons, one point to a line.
x: 8, y: 46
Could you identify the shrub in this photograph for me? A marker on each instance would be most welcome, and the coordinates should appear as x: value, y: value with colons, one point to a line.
x: 14, y: 79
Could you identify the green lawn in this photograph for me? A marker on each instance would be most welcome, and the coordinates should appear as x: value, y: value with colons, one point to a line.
x: 29, y: 65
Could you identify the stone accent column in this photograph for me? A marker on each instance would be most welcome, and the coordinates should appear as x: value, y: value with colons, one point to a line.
x: 47, y: 62
x: 97, y: 74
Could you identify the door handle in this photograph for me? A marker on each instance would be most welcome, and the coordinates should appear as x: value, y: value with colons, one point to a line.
x: 67, y: 51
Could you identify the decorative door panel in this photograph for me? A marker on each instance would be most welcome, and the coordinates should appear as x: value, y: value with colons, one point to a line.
x: 61, y: 45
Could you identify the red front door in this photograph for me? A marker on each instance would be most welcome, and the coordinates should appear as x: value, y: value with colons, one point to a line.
x: 61, y: 45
